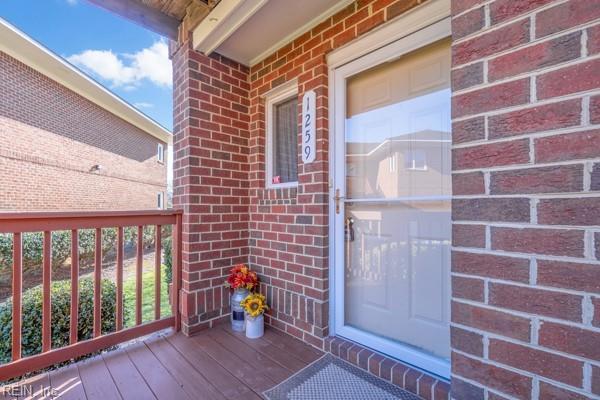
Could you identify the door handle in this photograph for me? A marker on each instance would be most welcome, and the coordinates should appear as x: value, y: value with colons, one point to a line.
x: 349, y: 229
x: 337, y: 198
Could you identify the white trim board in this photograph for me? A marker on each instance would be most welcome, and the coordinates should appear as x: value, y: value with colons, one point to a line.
x: 222, y: 22
x: 230, y: 15
x: 409, y: 23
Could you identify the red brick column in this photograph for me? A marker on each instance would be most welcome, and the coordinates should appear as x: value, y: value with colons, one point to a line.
x: 210, y: 178
x: 526, y: 269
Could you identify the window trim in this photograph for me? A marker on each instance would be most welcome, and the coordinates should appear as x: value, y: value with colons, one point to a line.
x: 160, y: 153
x: 274, y: 97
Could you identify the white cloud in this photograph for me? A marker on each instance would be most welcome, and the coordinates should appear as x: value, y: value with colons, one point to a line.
x: 143, y: 104
x: 128, y: 70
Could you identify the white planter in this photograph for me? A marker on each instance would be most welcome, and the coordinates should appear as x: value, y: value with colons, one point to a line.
x: 255, y: 327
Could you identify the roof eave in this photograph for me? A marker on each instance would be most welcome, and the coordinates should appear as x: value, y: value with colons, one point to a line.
x: 21, y: 47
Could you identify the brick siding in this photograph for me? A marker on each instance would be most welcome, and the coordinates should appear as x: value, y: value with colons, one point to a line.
x: 525, y: 273
x: 282, y: 233
x: 210, y: 172
x: 50, y: 137
x: 525, y: 302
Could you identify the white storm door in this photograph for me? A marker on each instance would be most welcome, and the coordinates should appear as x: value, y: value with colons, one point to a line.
x: 392, y: 223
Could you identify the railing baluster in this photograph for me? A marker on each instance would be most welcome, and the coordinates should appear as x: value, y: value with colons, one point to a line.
x: 74, y: 286
x: 138, y: 276
x: 46, y: 305
x: 119, y: 315
x: 97, y: 284
x: 157, y: 264
x: 16, y: 287
x: 176, y: 257
x: 48, y: 222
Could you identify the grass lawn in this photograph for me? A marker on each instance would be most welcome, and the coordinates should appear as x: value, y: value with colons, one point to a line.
x: 147, y: 297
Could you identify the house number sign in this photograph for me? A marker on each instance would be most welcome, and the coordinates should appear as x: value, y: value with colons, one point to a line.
x: 309, y: 125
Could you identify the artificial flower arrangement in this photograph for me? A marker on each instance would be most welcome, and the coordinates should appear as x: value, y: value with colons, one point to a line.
x: 247, y: 307
x: 255, y: 304
x: 241, y: 277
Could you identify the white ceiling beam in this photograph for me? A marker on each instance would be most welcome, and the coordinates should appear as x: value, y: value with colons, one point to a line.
x: 222, y: 22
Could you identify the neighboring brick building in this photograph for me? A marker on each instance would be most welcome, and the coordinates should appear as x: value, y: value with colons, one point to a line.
x: 502, y: 286
x: 57, y: 126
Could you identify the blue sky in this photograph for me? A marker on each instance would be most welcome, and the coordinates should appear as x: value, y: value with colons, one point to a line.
x: 126, y: 58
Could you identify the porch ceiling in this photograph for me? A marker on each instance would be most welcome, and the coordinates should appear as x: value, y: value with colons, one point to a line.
x: 173, y: 8
x: 272, y: 25
x: 243, y: 30
x: 160, y: 16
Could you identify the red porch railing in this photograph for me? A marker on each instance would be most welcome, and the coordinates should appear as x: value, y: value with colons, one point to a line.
x: 17, y: 223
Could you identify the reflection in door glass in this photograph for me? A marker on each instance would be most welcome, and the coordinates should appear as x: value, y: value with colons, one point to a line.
x: 400, y: 150
x: 397, y: 216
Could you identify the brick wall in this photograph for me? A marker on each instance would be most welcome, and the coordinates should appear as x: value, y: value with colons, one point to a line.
x: 219, y: 176
x: 210, y: 178
x: 50, y: 137
x: 526, y: 269
x: 289, y: 229
x: 526, y: 163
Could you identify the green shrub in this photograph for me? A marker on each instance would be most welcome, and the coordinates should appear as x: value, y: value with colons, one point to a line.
x: 168, y: 259
x: 31, y: 336
x: 32, y: 248
x: 61, y: 245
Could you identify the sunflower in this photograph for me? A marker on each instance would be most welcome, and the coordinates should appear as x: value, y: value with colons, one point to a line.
x: 254, y: 304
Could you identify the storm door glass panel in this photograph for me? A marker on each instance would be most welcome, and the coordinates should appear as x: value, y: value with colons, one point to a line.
x: 285, y: 141
x: 397, y: 207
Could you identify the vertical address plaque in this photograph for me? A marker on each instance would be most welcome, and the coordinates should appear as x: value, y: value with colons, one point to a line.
x: 309, y: 134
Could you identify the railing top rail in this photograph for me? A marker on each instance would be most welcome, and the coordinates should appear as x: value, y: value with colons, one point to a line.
x: 11, y: 215
x: 52, y: 221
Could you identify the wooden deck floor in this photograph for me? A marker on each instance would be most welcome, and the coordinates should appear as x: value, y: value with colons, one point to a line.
x: 215, y: 364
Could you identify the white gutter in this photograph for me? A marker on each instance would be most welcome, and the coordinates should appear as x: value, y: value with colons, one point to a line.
x: 21, y: 47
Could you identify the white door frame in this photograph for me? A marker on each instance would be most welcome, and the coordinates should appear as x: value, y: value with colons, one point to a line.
x: 426, y: 24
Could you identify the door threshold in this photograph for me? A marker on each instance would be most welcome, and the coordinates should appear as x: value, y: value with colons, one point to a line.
x: 389, y: 369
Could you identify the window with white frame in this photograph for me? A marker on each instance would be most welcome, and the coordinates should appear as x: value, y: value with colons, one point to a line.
x: 282, y: 136
x: 160, y: 200
x: 160, y: 153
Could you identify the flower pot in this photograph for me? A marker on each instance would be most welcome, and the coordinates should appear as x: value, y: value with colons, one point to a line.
x: 237, y: 311
x: 255, y: 326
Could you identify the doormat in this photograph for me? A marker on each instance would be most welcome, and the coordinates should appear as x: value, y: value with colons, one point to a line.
x: 330, y: 378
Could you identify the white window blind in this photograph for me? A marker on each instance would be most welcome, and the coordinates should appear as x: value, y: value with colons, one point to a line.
x: 285, y: 138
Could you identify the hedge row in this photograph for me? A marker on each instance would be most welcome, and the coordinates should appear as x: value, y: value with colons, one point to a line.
x: 61, y: 245
x: 31, y: 334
